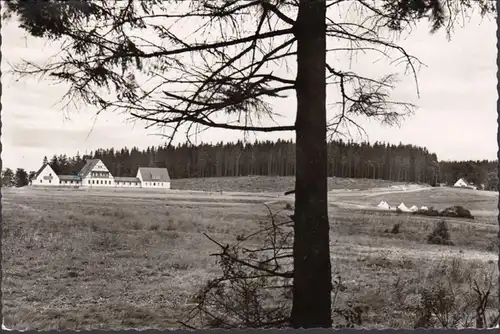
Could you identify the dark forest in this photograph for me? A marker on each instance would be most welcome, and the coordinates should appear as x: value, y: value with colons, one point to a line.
x: 403, y: 163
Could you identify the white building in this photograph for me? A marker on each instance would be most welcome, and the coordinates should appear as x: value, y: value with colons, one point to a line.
x: 96, y: 174
x: 45, y: 176
x: 462, y: 183
x: 153, y: 177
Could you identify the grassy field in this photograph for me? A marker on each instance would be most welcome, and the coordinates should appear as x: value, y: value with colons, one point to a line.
x: 278, y: 184
x: 110, y: 260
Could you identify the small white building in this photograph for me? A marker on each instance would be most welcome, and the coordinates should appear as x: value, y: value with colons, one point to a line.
x: 462, y: 183
x: 154, y: 177
x: 45, y: 176
x: 96, y: 174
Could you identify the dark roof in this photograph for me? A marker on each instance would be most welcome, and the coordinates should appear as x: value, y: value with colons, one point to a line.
x: 89, y: 165
x: 126, y: 179
x: 40, y: 170
x: 69, y: 177
x: 151, y: 174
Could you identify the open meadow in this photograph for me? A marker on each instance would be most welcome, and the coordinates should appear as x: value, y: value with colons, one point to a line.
x: 115, y: 259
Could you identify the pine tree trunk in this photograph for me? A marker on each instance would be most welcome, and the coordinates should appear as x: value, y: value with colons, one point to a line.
x: 311, y: 252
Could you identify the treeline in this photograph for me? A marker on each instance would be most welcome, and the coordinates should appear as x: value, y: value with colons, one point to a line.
x: 479, y: 172
x: 19, y: 178
x: 405, y: 163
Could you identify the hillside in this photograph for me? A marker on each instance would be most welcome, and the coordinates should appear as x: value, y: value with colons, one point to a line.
x: 278, y: 184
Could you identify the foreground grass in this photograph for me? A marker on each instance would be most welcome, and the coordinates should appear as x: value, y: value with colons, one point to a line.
x: 94, y: 262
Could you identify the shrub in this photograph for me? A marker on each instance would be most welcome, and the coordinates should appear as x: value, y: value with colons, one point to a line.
x: 440, y: 235
x: 395, y: 229
x: 457, y: 296
x: 456, y: 211
x: 431, y: 212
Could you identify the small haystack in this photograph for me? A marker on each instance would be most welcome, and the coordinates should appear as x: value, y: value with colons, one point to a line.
x: 414, y: 208
x: 383, y: 206
x: 424, y: 208
x: 403, y: 208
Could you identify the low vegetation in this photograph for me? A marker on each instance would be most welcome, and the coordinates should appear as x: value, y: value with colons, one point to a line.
x: 278, y: 184
x: 79, y: 260
x: 456, y: 211
x: 440, y: 235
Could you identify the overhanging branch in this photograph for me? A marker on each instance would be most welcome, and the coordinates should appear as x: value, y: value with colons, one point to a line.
x: 216, y: 125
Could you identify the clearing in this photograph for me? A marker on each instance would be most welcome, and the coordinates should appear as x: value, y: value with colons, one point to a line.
x: 106, y: 259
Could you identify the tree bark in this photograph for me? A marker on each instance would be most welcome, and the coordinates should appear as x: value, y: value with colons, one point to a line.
x: 311, y: 250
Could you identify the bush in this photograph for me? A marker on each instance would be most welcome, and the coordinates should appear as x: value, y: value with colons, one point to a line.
x: 395, y: 228
x: 457, y: 296
x: 456, y: 211
x: 440, y: 235
x: 431, y: 212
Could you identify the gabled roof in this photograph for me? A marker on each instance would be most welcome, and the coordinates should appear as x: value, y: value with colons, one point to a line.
x: 89, y: 165
x: 41, y: 169
x: 69, y: 177
x: 151, y: 174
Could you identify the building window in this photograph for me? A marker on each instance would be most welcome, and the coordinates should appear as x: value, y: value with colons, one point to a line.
x: 101, y: 181
x: 50, y: 181
x: 40, y: 181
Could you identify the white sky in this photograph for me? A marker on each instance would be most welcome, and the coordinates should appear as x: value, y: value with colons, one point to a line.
x: 456, y: 118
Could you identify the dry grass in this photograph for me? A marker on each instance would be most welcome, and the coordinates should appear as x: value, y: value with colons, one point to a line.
x: 73, y: 260
x: 441, y: 198
x: 278, y: 184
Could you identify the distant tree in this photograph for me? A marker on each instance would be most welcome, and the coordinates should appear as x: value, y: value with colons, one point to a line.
x: 21, y: 178
x: 491, y: 181
x: 45, y: 160
x: 8, y: 179
x: 54, y: 164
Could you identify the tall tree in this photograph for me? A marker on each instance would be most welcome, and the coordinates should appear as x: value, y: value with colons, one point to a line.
x: 8, y: 179
x: 21, y: 178
x: 182, y: 83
